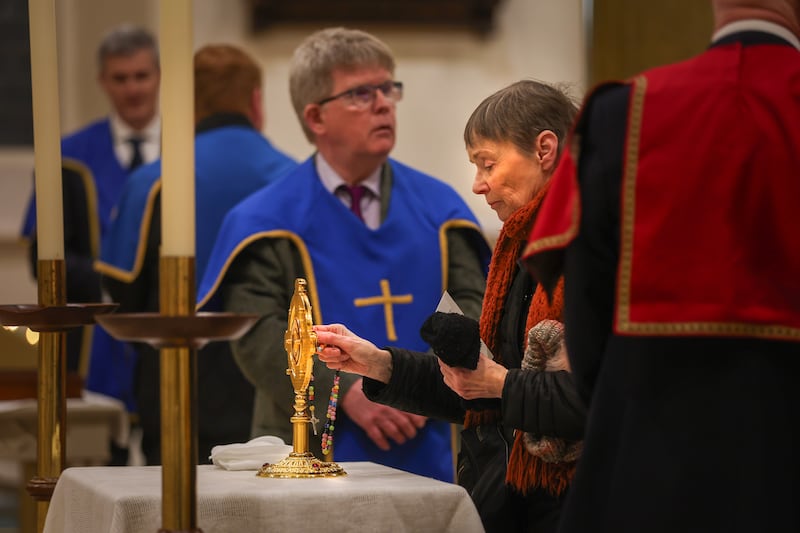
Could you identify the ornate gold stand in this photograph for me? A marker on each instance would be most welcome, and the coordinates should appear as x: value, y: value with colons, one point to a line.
x: 178, y: 332
x: 51, y: 318
x: 301, y: 344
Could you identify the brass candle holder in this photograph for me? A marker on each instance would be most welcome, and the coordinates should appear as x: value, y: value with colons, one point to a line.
x: 51, y: 317
x: 178, y: 332
x: 300, y: 342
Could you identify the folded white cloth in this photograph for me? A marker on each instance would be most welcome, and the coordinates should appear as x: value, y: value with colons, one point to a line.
x: 250, y: 455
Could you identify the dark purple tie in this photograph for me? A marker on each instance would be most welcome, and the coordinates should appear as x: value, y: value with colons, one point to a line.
x: 136, y: 150
x: 356, y: 193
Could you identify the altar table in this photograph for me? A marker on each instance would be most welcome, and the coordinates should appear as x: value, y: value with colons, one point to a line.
x: 370, y: 498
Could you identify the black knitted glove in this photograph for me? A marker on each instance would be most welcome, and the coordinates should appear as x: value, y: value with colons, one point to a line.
x: 454, y: 338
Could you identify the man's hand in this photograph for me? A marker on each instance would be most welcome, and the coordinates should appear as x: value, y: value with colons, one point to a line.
x: 381, y: 423
x: 341, y: 349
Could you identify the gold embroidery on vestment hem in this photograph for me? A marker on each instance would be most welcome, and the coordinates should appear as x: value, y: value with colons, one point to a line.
x: 554, y: 241
x: 623, y: 322
x: 305, y: 258
x: 455, y: 223
x: 628, y: 198
x: 128, y: 276
x: 90, y: 191
x: 722, y: 329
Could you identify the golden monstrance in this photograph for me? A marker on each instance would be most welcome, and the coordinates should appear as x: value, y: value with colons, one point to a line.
x: 300, y: 342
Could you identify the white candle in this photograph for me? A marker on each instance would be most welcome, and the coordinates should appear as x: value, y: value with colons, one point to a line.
x: 46, y: 130
x: 177, y: 120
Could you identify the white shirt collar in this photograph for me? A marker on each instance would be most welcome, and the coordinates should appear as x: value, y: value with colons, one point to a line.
x: 757, y: 25
x: 331, y: 180
x: 122, y: 132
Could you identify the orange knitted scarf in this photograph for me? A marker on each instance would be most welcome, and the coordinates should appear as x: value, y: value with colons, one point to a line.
x: 525, y: 471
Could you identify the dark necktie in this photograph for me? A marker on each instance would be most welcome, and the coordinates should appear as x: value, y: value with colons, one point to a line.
x: 136, y: 149
x: 356, y: 193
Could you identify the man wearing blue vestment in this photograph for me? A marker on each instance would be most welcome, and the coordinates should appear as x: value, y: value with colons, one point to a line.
x: 96, y: 162
x: 232, y: 160
x: 377, y: 241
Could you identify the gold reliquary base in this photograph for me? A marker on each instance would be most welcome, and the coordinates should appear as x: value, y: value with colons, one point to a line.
x: 301, y: 465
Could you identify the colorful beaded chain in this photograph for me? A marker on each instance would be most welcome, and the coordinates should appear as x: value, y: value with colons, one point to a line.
x: 327, y: 432
x: 311, y: 407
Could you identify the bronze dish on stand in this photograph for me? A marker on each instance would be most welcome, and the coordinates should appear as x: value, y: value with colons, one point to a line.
x: 53, y: 317
x: 185, y: 331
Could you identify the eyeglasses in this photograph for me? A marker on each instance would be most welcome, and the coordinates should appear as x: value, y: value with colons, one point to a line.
x: 363, y: 96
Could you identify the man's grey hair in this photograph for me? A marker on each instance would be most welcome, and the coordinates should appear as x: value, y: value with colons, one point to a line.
x: 315, y: 59
x: 125, y: 40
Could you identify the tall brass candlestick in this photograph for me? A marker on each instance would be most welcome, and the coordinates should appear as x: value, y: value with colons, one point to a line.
x: 51, y: 438
x: 300, y: 342
x: 51, y: 393
x: 177, y: 267
x: 178, y: 388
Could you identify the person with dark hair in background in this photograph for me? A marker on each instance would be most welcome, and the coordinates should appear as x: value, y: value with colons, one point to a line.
x: 522, y: 414
x: 377, y: 241
x: 232, y: 160
x: 679, y: 213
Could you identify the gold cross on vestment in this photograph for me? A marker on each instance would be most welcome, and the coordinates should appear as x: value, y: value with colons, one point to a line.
x: 387, y: 300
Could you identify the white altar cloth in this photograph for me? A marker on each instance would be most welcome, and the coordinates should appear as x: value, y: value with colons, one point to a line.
x: 92, y: 421
x: 370, y: 498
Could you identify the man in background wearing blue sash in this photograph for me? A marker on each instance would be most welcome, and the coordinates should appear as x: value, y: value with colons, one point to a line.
x: 232, y: 160
x: 96, y: 162
x: 377, y: 241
